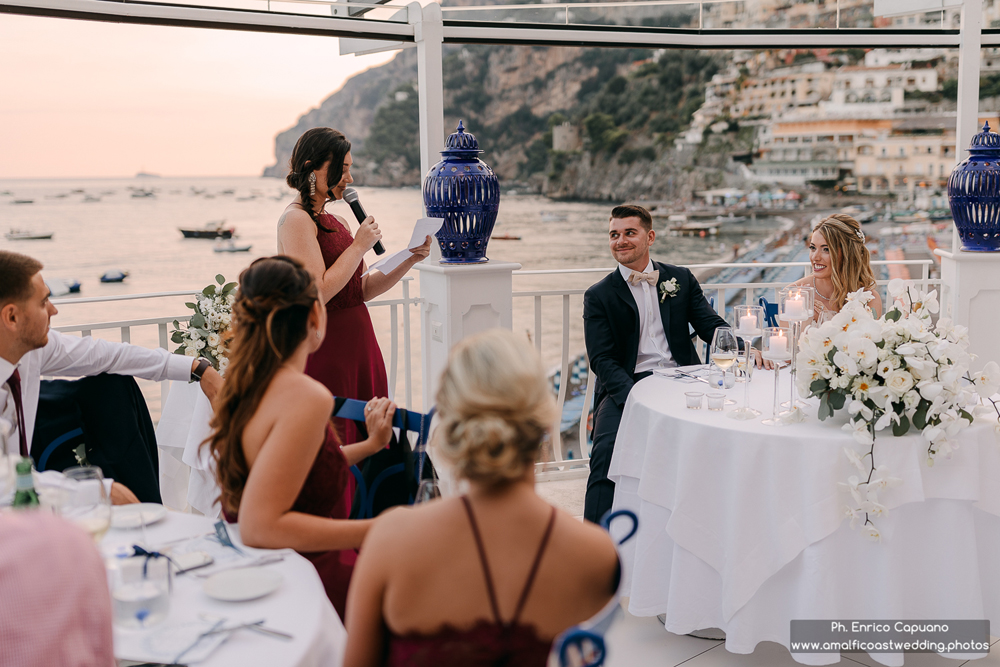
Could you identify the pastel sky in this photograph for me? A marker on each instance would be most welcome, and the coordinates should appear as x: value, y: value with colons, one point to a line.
x: 85, y: 99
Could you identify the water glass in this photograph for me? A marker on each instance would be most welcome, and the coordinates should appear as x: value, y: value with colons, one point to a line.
x: 694, y: 399
x: 85, y: 501
x: 716, y: 401
x: 140, y: 590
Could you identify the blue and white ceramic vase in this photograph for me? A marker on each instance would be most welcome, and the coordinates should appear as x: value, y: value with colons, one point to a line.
x: 464, y: 191
x: 974, y: 194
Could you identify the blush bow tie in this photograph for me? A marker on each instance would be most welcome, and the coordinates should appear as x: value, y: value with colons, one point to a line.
x: 638, y: 277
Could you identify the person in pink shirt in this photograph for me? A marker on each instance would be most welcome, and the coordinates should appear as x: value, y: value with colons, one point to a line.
x: 55, y: 608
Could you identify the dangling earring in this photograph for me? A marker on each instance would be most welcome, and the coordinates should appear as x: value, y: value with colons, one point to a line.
x: 312, y: 184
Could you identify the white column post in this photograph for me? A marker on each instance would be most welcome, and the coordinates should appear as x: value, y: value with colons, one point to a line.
x: 969, y: 56
x: 428, y: 32
x: 459, y: 301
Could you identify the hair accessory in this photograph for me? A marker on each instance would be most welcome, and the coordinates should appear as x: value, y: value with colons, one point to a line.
x: 861, y: 235
x: 312, y: 183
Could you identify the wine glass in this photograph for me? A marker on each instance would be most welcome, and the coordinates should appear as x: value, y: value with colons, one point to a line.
x: 86, y: 502
x: 724, y: 352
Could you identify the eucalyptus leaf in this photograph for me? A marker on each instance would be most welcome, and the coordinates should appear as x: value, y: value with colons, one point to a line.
x: 229, y: 287
x: 893, y: 315
x: 191, y: 306
x: 197, y: 320
x: 219, y: 278
x: 837, y: 400
x: 817, y: 387
x: 830, y: 354
x: 902, y: 427
x: 179, y: 350
x: 177, y: 325
x: 209, y: 291
x: 824, y: 407
x: 920, y: 415
x: 178, y: 337
x: 965, y: 415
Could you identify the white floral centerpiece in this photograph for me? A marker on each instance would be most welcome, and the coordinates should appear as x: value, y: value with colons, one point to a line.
x: 206, y: 334
x: 900, y: 371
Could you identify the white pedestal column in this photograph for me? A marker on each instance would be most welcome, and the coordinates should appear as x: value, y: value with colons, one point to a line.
x: 970, y: 296
x: 459, y: 301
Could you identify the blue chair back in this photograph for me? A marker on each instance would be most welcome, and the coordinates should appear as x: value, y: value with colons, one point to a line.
x: 770, y: 312
x: 404, y: 420
x: 587, y: 638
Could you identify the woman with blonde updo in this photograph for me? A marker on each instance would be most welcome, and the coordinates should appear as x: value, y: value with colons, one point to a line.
x: 480, y: 579
x: 841, y: 264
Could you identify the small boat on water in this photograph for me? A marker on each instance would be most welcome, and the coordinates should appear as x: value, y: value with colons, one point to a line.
x: 211, y: 230
x: 554, y: 216
x: 505, y: 237
x: 90, y: 199
x: 114, y: 276
x: 139, y: 193
x: 231, y: 246
x: 61, y: 287
x: 25, y: 235
x: 23, y: 201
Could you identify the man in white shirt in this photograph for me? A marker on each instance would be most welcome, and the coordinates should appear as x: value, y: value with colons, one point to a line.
x: 635, y: 320
x: 28, y: 350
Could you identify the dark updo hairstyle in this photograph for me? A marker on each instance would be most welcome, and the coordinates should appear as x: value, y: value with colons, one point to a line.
x: 270, y: 321
x: 313, y: 149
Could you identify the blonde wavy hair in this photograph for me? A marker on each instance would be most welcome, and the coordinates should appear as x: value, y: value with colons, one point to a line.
x: 495, y: 407
x: 850, y: 263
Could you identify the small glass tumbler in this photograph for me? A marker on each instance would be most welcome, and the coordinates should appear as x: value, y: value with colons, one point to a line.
x: 716, y: 401
x: 694, y: 399
x: 140, y: 590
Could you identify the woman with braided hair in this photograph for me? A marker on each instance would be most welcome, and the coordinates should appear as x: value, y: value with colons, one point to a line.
x: 349, y: 362
x: 281, y: 468
x: 841, y: 264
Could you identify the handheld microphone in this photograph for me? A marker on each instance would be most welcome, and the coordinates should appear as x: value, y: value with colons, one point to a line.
x: 351, y: 197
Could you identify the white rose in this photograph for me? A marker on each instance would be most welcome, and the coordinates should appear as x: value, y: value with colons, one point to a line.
x: 190, y: 352
x: 199, y: 344
x: 194, y: 335
x: 214, y: 339
x: 899, y: 382
x: 223, y: 364
x: 911, y: 399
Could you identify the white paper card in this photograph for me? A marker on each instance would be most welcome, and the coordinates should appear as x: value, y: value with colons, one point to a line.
x: 423, y: 228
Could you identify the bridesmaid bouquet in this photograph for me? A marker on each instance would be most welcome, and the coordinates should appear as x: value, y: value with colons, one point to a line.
x: 901, y: 371
x: 206, y: 332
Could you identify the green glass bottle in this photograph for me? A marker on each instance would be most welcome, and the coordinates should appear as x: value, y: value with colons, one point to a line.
x: 25, y: 496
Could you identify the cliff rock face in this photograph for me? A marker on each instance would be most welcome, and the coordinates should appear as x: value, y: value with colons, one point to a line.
x: 627, y: 106
x: 350, y: 110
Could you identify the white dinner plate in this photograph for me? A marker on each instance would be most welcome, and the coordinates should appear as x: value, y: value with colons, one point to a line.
x: 243, y: 583
x: 132, y: 516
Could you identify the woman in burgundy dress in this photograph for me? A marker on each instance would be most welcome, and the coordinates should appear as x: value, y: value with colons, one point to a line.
x: 350, y: 362
x: 480, y: 580
x: 281, y: 468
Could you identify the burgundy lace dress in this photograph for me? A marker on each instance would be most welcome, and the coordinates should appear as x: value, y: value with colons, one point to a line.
x: 487, y: 643
x: 349, y: 362
x: 323, y: 495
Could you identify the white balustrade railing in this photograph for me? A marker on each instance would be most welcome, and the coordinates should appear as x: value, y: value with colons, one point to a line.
x: 560, y: 467
x: 126, y: 327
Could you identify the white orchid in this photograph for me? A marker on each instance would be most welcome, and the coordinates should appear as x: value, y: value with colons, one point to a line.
x: 987, y: 381
x: 853, y: 514
x: 871, y: 532
x: 855, y: 460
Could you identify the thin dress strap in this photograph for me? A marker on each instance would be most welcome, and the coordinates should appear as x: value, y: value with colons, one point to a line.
x: 486, y: 566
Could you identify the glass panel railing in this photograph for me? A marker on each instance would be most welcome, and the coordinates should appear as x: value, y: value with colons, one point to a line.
x: 715, y: 15
x: 392, y: 13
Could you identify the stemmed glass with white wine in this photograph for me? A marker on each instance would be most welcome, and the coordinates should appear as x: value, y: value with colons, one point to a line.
x: 85, y: 501
x: 725, y: 350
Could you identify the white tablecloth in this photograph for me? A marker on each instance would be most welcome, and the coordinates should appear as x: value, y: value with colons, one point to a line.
x: 299, y: 607
x: 741, y: 525
x: 187, y: 477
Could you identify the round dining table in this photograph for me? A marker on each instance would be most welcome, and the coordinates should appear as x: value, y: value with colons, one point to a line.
x: 742, y: 525
x: 299, y: 607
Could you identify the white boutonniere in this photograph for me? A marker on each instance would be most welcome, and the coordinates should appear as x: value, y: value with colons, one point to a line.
x: 668, y: 288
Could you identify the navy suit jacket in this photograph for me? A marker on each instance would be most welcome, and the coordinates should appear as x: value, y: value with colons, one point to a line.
x: 611, y: 327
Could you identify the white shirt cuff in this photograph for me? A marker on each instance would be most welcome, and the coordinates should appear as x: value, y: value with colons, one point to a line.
x: 179, y: 367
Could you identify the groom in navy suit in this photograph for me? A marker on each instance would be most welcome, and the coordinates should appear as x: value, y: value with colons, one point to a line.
x: 635, y: 320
